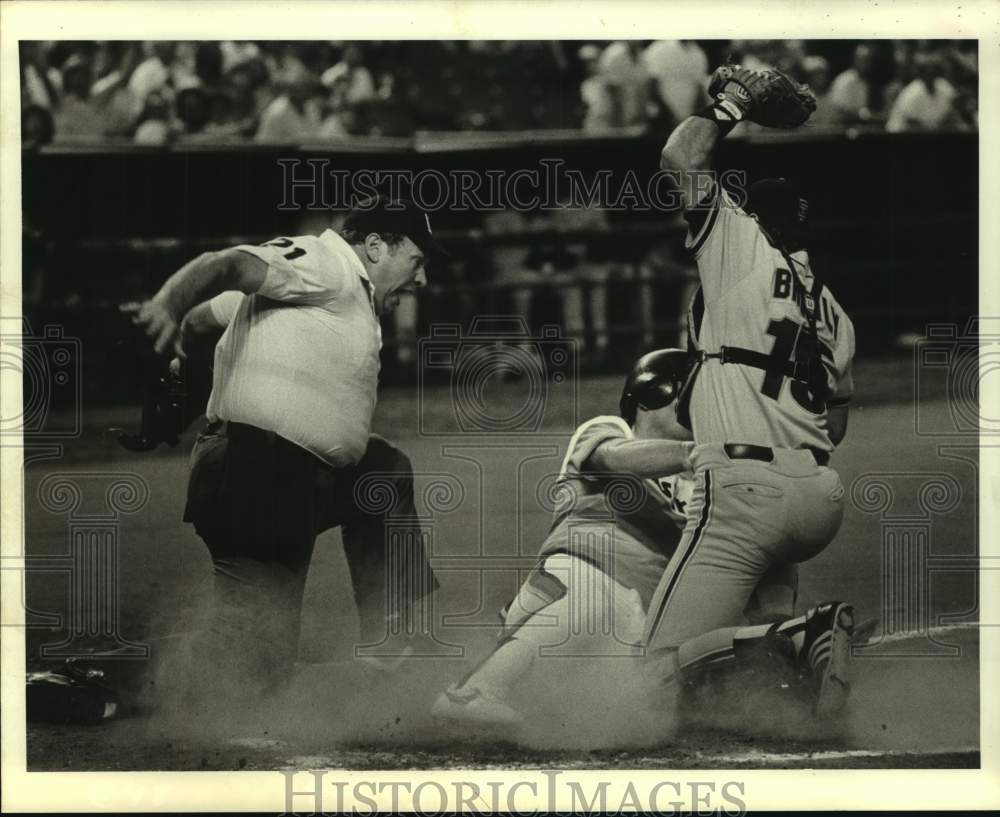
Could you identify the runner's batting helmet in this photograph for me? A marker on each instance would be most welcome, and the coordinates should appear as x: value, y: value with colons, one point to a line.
x: 654, y: 382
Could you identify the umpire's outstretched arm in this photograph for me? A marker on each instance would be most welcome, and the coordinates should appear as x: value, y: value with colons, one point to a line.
x: 197, y: 281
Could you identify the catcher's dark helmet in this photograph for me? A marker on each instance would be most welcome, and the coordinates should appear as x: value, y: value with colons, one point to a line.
x: 781, y: 210
x: 655, y: 381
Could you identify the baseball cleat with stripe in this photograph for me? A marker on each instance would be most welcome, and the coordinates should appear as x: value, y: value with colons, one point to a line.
x: 472, y: 707
x: 829, y: 632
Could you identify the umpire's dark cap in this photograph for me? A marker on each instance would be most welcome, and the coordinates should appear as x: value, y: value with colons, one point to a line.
x: 383, y: 215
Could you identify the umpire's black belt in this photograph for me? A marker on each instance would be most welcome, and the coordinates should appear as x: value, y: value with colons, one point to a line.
x: 745, y: 451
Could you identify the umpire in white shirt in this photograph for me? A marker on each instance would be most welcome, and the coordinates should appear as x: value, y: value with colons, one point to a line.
x: 288, y: 451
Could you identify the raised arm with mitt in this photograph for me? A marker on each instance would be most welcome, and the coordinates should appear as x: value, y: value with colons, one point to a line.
x: 766, y: 97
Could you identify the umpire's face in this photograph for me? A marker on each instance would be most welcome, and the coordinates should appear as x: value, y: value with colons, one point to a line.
x: 394, y: 269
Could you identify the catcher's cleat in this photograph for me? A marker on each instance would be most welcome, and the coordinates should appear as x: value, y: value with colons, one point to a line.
x: 472, y: 707
x: 829, y: 631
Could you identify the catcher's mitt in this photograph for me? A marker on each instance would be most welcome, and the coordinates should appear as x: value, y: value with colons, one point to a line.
x: 766, y: 97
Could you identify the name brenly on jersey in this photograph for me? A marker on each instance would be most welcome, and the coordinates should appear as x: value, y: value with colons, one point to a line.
x: 784, y: 288
x: 313, y: 184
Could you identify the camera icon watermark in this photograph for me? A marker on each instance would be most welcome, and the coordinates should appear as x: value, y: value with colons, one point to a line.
x: 953, y: 363
x: 50, y: 367
x: 502, y: 379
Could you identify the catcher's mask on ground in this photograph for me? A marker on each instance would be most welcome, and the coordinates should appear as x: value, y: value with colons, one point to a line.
x: 654, y: 382
x: 781, y: 210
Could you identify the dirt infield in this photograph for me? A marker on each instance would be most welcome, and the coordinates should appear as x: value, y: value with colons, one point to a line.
x: 915, y: 702
x: 904, y: 715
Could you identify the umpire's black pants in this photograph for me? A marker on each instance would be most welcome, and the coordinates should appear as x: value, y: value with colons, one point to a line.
x: 258, y: 501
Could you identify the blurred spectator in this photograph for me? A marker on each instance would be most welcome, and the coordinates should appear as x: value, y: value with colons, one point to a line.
x: 39, y: 83
x: 247, y: 83
x: 666, y: 288
x: 584, y: 284
x: 154, y: 121
x: 928, y: 101
x: 549, y: 254
x: 193, y: 110
x: 507, y: 259
x: 962, y: 63
x: 183, y: 67
x: 785, y: 55
x: 854, y: 93
x: 237, y: 53
x: 117, y: 104
x: 902, y: 70
x: 386, y: 86
x: 77, y: 116
x: 340, y: 122
x: 208, y: 63
x: 99, y: 89
x: 595, y: 92
x: 349, y: 78
x: 680, y: 69
x: 153, y: 72
x: 549, y: 264
x: 223, y: 123
x: 284, y: 64
x: 36, y: 127
x: 963, y: 57
x: 816, y: 74
x: 294, y: 116
x: 789, y: 56
x: 628, y: 81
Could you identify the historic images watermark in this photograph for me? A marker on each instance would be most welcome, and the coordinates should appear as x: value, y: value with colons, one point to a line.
x: 908, y: 562
x: 952, y: 361
x: 949, y: 365
x: 310, y: 792
x: 50, y: 366
x: 94, y: 504
x: 493, y: 349
x: 92, y: 561
x: 314, y: 184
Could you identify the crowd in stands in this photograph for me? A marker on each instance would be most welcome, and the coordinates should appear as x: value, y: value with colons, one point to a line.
x: 900, y: 85
x: 161, y: 92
